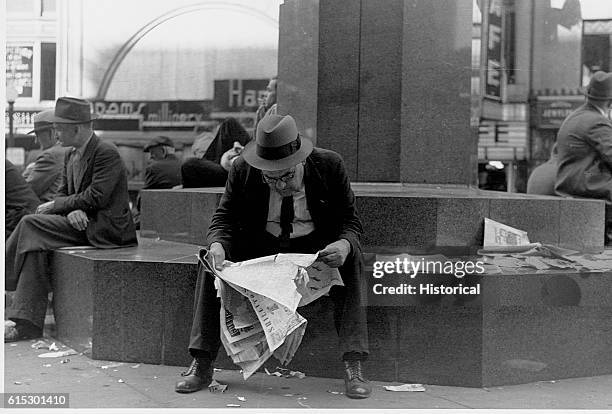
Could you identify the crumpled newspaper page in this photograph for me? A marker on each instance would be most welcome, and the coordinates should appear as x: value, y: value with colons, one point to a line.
x: 498, y: 234
x: 259, y: 299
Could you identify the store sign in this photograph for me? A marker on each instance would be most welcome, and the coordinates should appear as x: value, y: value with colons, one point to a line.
x: 19, y: 69
x: 239, y: 95
x: 503, y: 141
x: 550, y: 114
x: 155, y: 114
x: 493, y: 68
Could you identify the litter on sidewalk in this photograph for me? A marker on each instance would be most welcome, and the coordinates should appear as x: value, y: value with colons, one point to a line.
x: 405, y: 388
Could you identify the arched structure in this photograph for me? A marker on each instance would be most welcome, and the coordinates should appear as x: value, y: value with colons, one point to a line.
x: 142, y: 32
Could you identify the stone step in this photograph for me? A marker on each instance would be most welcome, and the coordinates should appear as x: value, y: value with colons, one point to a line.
x: 135, y: 305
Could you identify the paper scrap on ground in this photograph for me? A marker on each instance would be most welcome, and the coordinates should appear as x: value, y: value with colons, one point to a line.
x: 58, y: 354
x: 217, y: 387
x: 259, y: 299
x: 405, y: 388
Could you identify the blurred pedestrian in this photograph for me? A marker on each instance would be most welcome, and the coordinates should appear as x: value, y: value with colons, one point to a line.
x: 542, y: 178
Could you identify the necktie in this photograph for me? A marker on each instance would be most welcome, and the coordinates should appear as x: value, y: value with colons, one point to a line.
x: 286, y: 218
x: 76, y: 169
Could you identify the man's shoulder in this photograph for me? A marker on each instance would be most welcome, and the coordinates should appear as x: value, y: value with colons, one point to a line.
x: 56, y: 151
x: 322, y: 155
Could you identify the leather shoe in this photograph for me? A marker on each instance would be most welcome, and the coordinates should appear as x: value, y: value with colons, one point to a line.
x: 356, y: 385
x: 198, y: 375
x: 21, y: 331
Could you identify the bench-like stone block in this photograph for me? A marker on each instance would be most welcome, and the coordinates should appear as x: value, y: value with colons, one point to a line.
x: 130, y: 304
x: 403, y: 218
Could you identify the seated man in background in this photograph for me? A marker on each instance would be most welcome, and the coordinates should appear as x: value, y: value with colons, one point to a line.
x: 45, y: 174
x: 283, y: 196
x: 164, y: 170
x: 20, y: 199
x: 584, y: 143
x: 542, y: 179
x: 91, y: 208
x: 268, y: 105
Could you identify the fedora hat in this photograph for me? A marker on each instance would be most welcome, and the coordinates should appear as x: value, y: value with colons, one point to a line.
x: 277, y: 145
x: 600, y: 86
x: 43, y: 121
x: 72, y: 111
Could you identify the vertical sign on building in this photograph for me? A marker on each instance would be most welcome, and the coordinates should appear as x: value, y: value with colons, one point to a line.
x: 494, y: 49
x: 19, y: 69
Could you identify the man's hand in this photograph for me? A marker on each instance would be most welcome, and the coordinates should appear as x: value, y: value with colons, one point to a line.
x: 218, y: 254
x: 78, y: 219
x: 335, y: 253
x: 45, y: 208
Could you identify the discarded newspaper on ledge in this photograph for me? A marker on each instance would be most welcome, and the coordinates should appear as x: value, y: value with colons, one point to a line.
x: 259, y: 299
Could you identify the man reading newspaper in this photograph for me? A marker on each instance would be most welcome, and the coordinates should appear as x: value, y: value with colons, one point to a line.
x: 284, y: 196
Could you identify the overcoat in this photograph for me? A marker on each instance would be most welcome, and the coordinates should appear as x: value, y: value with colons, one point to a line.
x: 584, y: 145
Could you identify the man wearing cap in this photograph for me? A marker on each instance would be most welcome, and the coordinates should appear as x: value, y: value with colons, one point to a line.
x: 284, y: 196
x: 45, y: 175
x: 584, y: 145
x: 91, y: 208
x: 164, y: 171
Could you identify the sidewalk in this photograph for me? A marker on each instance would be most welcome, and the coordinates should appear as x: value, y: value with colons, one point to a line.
x: 98, y: 384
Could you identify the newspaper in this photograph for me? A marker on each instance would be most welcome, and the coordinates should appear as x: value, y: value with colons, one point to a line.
x: 259, y: 299
x: 498, y: 236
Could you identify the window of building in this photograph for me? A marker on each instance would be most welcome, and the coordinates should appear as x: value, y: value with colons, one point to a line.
x: 47, y: 71
x: 48, y: 8
x: 509, y: 23
x: 596, y: 47
x: 25, y: 7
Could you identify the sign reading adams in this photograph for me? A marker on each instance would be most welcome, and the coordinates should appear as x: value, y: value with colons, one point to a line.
x: 154, y: 114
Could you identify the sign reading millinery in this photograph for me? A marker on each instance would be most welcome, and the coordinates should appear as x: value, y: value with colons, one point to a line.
x: 238, y: 95
x: 493, y: 65
x: 19, y: 69
x: 153, y: 114
x: 550, y: 114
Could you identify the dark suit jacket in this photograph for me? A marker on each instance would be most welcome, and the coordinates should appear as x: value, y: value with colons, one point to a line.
x: 46, y: 175
x: 102, y: 193
x: 197, y: 172
x: 241, y: 217
x: 584, y: 145
x: 19, y: 197
x: 164, y: 173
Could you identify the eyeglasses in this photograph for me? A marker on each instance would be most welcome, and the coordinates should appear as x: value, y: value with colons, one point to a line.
x: 285, y: 178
